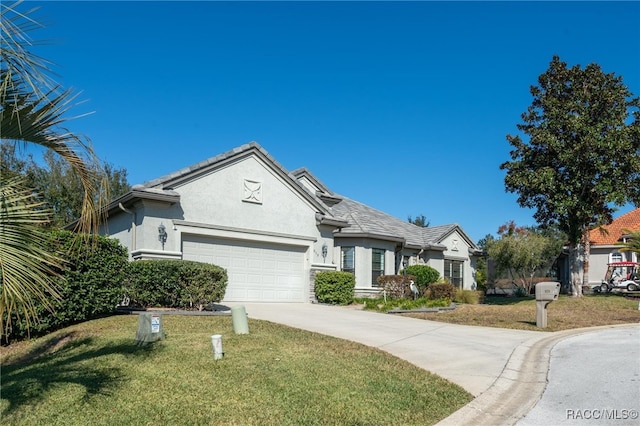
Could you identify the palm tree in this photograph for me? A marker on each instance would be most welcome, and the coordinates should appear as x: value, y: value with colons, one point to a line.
x: 32, y: 111
x: 27, y: 266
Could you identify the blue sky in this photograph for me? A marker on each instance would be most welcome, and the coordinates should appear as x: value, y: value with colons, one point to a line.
x: 403, y: 106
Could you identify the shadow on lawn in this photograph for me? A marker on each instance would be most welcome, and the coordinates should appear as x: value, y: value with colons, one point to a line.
x: 506, y: 300
x: 63, y: 360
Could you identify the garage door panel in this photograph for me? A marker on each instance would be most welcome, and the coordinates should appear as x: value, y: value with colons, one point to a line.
x: 257, y: 271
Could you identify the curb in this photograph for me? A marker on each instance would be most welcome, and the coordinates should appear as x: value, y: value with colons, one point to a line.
x: 520, y: 385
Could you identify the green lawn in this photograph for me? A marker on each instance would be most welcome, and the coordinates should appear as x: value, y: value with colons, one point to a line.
x: 94, y: 374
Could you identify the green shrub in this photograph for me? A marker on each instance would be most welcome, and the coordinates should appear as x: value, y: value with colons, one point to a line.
x: 520, y: 292
x: 90, y: 285
x: 469, y: 297
x: 335, y: 287
x: 424, y: 275
x: 175, y: 283
x: 153, y: 283
x: 201, y: 284
x: 396, y: 286
x: 442, y: 291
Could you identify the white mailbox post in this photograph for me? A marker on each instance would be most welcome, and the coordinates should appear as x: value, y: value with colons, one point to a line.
x: 546, y: 292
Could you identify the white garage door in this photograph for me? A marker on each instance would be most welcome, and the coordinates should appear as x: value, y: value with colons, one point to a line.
x: 258, y: 272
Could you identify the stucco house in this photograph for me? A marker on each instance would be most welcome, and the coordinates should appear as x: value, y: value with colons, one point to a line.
x: 604, y: 244
x: 273, y: 229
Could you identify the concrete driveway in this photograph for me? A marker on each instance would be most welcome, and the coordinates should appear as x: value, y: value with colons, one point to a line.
x: 506, y: 370
x: 470, y: 356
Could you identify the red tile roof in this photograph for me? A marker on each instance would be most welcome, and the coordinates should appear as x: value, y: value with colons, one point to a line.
x: 629, y: 221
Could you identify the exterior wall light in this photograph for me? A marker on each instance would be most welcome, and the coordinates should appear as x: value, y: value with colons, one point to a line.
x: 325, y: 250
x: 162, y: 234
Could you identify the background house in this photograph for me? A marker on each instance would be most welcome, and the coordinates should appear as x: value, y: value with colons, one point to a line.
x: 274, y: 230
x: 605, y: 248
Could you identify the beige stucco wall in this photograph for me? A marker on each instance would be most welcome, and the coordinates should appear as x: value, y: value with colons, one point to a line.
x: 220, y: 198
x: 458, y: 249
x: 363, y: 258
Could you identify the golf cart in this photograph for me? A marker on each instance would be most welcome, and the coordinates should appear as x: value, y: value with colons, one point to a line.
x: 620, y: 275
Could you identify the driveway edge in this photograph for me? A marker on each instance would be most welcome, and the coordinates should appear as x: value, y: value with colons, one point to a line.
x: 520, y: 385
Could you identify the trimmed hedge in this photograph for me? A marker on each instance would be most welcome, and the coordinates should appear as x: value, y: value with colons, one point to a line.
x: 396, y: 286
x: 175, y: 283
x: 90, y: 285
x: 424, y: 276
x: 98, y: 275
x: 335, y: 287
x: 442, y: 291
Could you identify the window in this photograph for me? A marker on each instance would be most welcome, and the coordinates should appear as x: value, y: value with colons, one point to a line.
x: 616, y: 257
x: 348, y: 259
x: 377, y: 265
x: 453, y: 272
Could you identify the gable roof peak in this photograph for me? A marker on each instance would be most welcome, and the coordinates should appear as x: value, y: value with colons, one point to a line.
x: 194, y: 169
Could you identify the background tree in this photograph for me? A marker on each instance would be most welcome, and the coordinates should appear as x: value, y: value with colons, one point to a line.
x: 13, y: 165
x: 419, y: 221
x: 632, y: 242
x: 582, y: 156
x: 32, y: 111
x: 61, y: 187
x: 524, y: 253
x: 482, y: 267
x: 57, y: 184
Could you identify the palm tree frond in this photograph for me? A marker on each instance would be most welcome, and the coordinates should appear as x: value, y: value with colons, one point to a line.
x: 632, y: 243
x: 27, y: 268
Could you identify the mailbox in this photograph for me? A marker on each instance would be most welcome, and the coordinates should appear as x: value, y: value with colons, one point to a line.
x: 547, y: 291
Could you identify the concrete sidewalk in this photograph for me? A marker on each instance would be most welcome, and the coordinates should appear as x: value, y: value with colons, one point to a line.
x: 506, y: 370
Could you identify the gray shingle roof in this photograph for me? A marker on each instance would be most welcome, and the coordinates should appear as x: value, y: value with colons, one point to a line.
x: 362, y: 219
x: 367, y: 220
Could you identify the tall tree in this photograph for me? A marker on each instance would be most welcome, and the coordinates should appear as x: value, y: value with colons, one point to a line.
x: 32, y: 111
x: 581, y: 158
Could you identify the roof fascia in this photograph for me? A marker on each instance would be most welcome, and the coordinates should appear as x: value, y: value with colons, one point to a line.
x: 137, y: 194
x: 369, y: 235
x: 303, y: 171
x: 324, y: 220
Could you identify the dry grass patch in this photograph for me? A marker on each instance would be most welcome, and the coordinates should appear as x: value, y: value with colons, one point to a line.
x: 520, y: 313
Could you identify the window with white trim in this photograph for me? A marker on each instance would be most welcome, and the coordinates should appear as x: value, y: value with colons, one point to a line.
x: 377, y: 265
x: 348, y: 259
x: 453, y: 271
